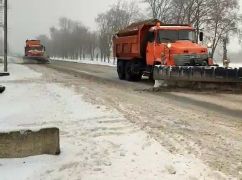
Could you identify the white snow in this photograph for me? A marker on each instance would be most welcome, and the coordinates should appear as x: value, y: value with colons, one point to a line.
x: 87, y: 61
x: 232, y: 65
x: 96, y: 142
x: 19, y: 72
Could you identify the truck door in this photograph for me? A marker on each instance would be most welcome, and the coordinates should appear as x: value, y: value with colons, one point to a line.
x: 155, y: 50
x: 150, y: 48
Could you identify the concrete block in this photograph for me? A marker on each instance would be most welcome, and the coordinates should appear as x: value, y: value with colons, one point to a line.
x: 2, y: 89
x: 4, y: 73
x: 24, y: 143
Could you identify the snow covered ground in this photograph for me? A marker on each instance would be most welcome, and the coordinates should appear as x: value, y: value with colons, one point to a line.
x: 87, y: 61
x: 96, y: 142
x: 232, y: 65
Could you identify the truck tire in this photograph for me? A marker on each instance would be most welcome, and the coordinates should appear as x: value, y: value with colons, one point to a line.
x: 137, y: 77
x: 128, y: 73
x: 121, y: 69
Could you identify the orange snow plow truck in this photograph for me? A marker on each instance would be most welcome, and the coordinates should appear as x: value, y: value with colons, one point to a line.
x: 168, y: 52
x: 35, y: 51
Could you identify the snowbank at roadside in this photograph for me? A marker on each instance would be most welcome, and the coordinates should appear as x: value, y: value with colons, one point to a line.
x: 96, y: 142
x: 19, y: 72
x: 86, y: 61
x: 232, y: 65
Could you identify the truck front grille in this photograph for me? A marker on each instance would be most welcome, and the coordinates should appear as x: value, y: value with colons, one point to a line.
x: 190, y: 59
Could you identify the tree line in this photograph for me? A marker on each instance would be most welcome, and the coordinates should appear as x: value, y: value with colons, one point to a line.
x: 71, y: 39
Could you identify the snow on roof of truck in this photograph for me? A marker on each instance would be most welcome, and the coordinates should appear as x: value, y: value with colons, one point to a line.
x: 177, y: 27
x: 134, y: 27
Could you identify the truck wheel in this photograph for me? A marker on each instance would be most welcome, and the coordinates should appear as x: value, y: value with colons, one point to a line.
x: 121, y: 69
x: 129, y: 75
x: 128, y: 72
x: 137, y: 77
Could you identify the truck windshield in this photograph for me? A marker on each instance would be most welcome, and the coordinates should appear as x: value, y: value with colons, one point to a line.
x: 175, y: 35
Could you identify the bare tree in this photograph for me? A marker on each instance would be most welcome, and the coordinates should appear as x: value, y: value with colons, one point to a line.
x: 160, y: 9
x: 70, y: 40
x: 91, y: 46
x: 223, y: 19
x: 192, y: 12
x: 117, y: 17
x: 179, y: 11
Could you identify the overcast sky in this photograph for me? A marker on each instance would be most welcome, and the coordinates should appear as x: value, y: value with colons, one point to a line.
x: 29, y: 18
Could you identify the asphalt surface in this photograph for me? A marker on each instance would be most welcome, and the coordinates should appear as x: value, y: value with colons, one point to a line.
x: 107, y: 74
x: 205, y: 124
x: 101, y: 72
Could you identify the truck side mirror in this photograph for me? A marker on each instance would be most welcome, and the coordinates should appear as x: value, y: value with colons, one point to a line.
x: 201, y: 36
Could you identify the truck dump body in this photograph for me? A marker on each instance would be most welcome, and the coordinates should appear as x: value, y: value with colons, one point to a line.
x: 32, y: 43
x: 130, y: 43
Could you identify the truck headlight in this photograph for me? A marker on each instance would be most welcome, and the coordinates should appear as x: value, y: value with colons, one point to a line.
x: 210, y: 45
x: 169, y: 45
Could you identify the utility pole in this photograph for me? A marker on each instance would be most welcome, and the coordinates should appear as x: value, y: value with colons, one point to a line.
x: 5, y: 35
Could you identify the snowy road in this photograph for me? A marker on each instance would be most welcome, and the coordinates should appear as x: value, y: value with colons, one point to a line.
x: 205, y: 124
x: 100, y: 72
x: 231, y: 104
x: 115, y: 130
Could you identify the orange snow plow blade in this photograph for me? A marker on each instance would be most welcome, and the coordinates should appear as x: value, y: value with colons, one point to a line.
x: 36, y: 59
x: 204, y: 76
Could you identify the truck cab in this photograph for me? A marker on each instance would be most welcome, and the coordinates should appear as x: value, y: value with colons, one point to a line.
x: 175, y: 46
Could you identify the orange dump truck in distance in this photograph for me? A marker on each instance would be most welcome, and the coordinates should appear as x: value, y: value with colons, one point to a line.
x: 141, y: 46
x: 33, y: 43
x: 34, y: 50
